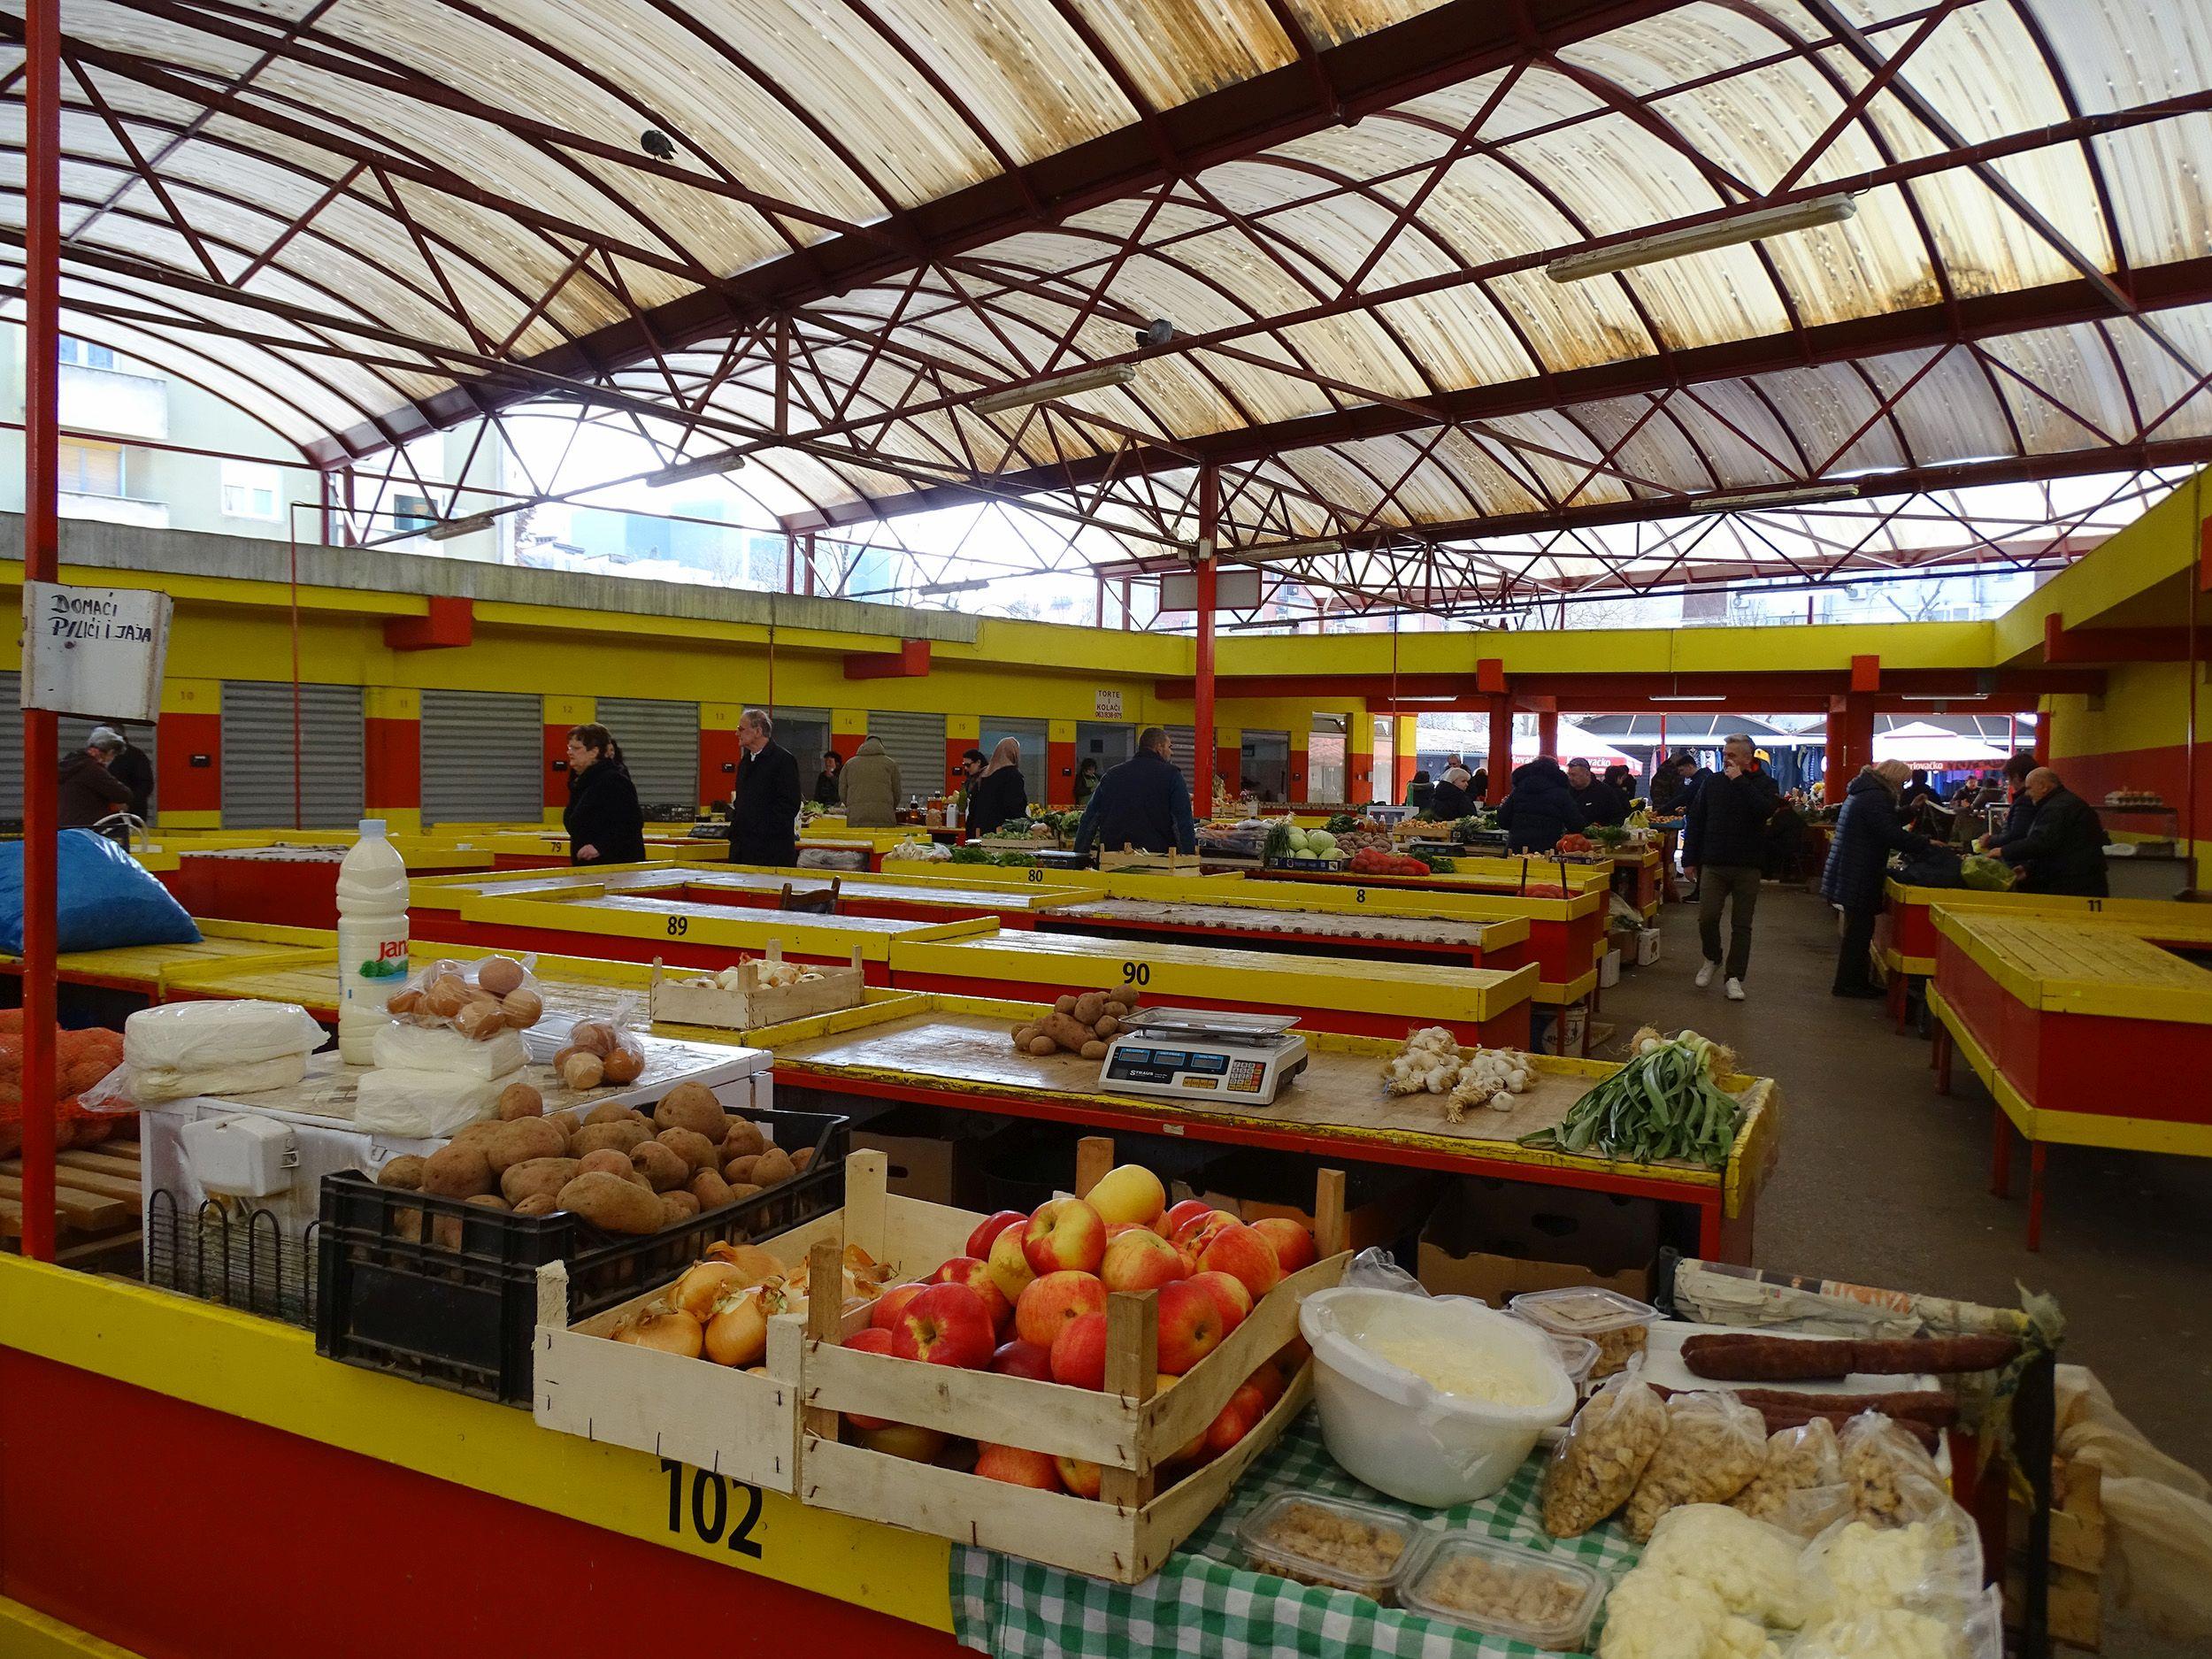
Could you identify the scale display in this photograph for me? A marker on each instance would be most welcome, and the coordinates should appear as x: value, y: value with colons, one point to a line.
x: 1197, y: 1054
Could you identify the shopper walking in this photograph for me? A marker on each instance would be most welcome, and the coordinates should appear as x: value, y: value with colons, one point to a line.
x: 827, y: 791
x: 1600, y: 802
x: 871, y: 787
x: 1868, y: 830
x: 1142, y: 803
x: 765, y: 810
x: 604, y: 822
x: 133, y: 769
x: 1723, y: 851
x: 1540, y: 808
x: 86, y: 791
x: 2063, y: 850
x: 1001, y: 795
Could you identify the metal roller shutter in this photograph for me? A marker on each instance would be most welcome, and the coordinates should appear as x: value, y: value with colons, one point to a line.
x: 660, y: 743
x: 917, y: 742
x: 1036, y: 738
x: 483, y: 757
x: 73, y: 730
x: 257, y: 789
x: 1182, y: 748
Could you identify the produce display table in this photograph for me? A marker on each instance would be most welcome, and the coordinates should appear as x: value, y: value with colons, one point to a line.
x: 1641, y: 864
x: 287, y: 884
x: 2039, y: 1005
x: 1446, y: 941
x: 954, y: 1052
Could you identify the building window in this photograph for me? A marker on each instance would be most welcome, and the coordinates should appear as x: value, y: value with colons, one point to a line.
x: 86, y: 354
x: 91, y: 469
x: 251, y: 490
x: 413, y: 512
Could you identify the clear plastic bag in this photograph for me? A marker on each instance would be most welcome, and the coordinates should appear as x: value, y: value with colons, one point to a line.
x: 177, y: 1050
x: 1376, y: 1269
x: 1598, y: 1462
x: 1751, y: 1566
x: 602, y: 1052
x: 478, y: 999
x: 1970, y: 1630
x: 1932, y: 1566
x: 1713, y: 1447
x: 1800, y: 1486
x: 1892, y: 1478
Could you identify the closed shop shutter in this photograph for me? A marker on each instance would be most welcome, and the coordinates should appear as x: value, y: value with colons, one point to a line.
x: 483, y: 757
x: 71, y: 736
x: 258, y: 786
x: 1182, y: 748
x: 1034, y: 736
x: 917, y: 742
x: 660, y: 744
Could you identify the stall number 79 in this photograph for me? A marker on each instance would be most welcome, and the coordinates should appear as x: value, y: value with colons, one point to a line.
x: 708, y: 1515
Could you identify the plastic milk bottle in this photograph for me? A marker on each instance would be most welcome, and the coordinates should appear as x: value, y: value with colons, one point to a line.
x: 372, y: 939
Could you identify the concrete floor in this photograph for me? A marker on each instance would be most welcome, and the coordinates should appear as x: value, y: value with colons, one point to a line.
x: 1884, y: 1182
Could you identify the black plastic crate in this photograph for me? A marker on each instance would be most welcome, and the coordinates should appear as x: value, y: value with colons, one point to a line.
x: 455, y: 1304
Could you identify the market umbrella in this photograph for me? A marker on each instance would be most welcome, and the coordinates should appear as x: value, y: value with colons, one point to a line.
x: 1921, y: 744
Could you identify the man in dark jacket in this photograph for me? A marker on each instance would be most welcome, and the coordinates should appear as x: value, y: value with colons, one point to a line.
x: 1541, y: 809
x: 1868, y: 830
x: 1723, y: 851
x: 2021, y: 819
x: 87, y: 790
x: 764, y: 812
x: 1600, y: 800
x: 1671, y: 784
x: 2063, y: 849
x: 1144, y: 804
x: 133, y: 769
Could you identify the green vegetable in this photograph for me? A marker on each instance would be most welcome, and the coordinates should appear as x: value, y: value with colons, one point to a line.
x: 1663, y: 1104
x: 1277, y: 843
x: 1439, y: 865
x: 1342, y: 824
x: 966, y: 853
x: 1990, y: 875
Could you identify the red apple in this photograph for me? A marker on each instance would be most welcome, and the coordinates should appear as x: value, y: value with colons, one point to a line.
x: 1190, y: 1326
x: 989, y: 1228
x: 1018, y: 1358
x: 1243, y: 1253
x: 1009, y: 1263
x: 1270, y: 1381
x: 1183, y: 1454
x: 966, y: 1270
x: 1079, y: 1353
x: 904, y: 1439
x: 1179, y: 1214
x: 872, y: 1339
x: 1064, y: 1234
x: 1229, y: 1295
x: 1016, y: 1466
x: 1129, y: 1192
x: 1194, y: 1236
x: 1140, y: 1259
x: 891, y: 1305
x: 945, y: 1325
x: 1245, y: 1408
x: 1051, y: 1302
x: 1077, y: 1476
x: 1293, y: 1245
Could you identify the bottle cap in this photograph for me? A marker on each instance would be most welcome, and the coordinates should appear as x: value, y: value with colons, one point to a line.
x: 373, y: 826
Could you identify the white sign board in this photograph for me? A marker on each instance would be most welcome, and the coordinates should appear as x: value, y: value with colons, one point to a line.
x: 96, y: 651
x: 1233, y: 590
x: 1107, y: 704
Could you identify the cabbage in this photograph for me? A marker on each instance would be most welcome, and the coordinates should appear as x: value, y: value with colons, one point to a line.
x: 1299, y: 841
x: 1320, y: 843
x: 1990, y: 875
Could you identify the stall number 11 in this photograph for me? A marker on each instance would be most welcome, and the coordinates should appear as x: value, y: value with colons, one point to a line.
x: 708, y: 1515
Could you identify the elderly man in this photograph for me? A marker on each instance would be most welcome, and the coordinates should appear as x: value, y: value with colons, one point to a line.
x: 1600, y: 800
x: 765, y: 807
x: 2064, y: 848
x: 88, y: 791
x: 1142, y: 803
x: 1723, y: 851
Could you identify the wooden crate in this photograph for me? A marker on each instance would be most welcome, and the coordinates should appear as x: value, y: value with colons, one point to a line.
x: 96, y: 1200
x: 2078, y: 1552
x: 1128, y: 1430
x: 1128, y: 860
x: 753, y: 1005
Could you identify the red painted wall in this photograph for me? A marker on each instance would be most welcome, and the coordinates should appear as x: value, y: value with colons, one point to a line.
x: 718, y: 754
x: 556, y: 764
x: 391, y: 761
x: 1060, y: 774
x: 1229, y: 767
x: 180, y: 786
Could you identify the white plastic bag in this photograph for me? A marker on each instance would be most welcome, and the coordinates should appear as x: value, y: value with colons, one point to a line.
x: 178, y: 1050
x: 426, y: 1105
x: 400, y: 1047
x: 1932, y: 1566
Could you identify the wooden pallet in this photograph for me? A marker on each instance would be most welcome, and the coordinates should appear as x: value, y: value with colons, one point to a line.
x: 2078, y: 1553
x: 97, y: 1203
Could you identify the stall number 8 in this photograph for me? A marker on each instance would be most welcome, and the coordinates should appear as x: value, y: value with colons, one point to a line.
x: 710, y: 1508
x: 1136, y: 973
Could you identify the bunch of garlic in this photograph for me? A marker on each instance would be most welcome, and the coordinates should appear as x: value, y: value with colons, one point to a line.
x: 776, y: 975
x: 1488, y: 1077
x: 1428, y: 1064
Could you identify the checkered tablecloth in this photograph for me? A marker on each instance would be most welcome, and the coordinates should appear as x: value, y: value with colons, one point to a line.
x: 1206, y: 1601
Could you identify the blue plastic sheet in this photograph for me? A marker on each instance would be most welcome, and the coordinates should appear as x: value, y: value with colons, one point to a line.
x: 106, y: 898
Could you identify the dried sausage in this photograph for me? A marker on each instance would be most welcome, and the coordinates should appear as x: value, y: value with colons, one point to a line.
x: 1746, y: 1356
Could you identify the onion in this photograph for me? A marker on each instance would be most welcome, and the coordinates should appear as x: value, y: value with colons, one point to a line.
x: 738, y: 1332
x: 669, y: 1330
x: 703, y: 1284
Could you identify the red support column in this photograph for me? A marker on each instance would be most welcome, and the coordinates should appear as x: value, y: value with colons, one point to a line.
x: 1060, y: 757
x: 1547, y: 733
x: 1499, y: 759
x: 1202, y: 751
x: 1229, y: 764
x: 42, y: 476
x: 1850, y: 742
x: 561, y: 714
x: 391, y: 756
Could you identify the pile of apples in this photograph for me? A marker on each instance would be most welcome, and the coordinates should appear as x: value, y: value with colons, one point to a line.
x: 1028, y: 1299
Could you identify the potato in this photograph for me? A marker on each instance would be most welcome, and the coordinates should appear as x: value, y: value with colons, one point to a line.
x: 741, y: 1190
x: 623, y: 1138
x: 567, y: 1123
x: 740, y: 1168
x: 475, y: 1134
x: 481, y: 1020
x: 664, y: 1168
x: 611, y: 1203
x: 801, y: 1158
x: 522, y: 1140
x: 709, y: 1189
x: 623, y: 1064
x: 499, y: 975
x: 1041, y: 1045
x: 444, y: 999
x: 608, y: 1112
x: 593, y: 1036
x: 547, y: 1175
x: 743, y: 1139
x: 692, y: 1106
x: 489, y: 1200
x: 1106, y: 1025
x: 1093, y: 1050
x: 692, y: 1147
x: 773, y: 1165
x: 1065, y: 1004
x: 407, y: 1225
x: 538, y: 1204
x: 405, y: 1174
x: 456, y: 1171
x: 1022, y: 1036
x: 523, y: 1008
x: 581, y: 1071
x: 402, y: 1002
x: 612, y: 1160
x: 1088, y: 1006
x: 520, y: 1100
x: 677, y: 1206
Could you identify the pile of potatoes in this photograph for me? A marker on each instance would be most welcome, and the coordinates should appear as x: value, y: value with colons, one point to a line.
x: 596, y: 1053
x: 499, y: 998
x: 617, y: 1169
x: 1078, y: 1024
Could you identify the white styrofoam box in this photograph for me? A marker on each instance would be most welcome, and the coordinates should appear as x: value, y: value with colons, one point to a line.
x: 764, y: 1092
x: 241, y: 1156
x: 1647, y: 946
x: 1610, y: 969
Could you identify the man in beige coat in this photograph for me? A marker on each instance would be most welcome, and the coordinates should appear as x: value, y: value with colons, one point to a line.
x: 871, y: 787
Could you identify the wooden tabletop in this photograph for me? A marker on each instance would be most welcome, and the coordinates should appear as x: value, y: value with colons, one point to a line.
x: 2085, y: 966
x: 1348, y: 925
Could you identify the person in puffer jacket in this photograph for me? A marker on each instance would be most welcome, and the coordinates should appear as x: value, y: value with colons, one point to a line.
x: 1868, y: 830
x: 1541, y: 809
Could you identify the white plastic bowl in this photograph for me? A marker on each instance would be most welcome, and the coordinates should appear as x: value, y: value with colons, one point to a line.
x: 1398, y: 1432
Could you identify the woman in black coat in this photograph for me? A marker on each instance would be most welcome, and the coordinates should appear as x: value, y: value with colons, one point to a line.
x: 1868, y: 830
x: 605, y: 824
x: 1001, y: 795
x: 1541, y: 808
x: 1451, y: 800
x: 825, y: 789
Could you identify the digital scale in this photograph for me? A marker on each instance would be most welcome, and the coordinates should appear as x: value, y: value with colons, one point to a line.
x: 1201, y: 1053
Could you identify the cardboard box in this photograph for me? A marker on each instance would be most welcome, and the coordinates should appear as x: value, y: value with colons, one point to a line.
x: 1609, y: 970
x: 1647, y: 947
x: 1496, y: 1239
x: 1382, y: 1205
x: 919, y: 1165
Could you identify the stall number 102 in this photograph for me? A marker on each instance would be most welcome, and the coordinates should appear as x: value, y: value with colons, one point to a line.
x: 707, y: 1514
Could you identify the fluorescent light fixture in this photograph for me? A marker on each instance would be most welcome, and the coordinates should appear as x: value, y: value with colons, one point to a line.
x: 446, y: 529
x: 1058, y: 386
x: 698, y: 466
x: 1686, y: 697
x: 1948, y: 696
x: 1752, y: 500
x: 955, y: 588
x: 1290, y: 550
x: 1720, y: 232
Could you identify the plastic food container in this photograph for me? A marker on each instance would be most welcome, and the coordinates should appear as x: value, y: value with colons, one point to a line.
x: 1278, y: 1539
x: 1618, y: 1324
x: 1399, y: 1432
x: 1578, y: 1353
x: 1545, y: 1600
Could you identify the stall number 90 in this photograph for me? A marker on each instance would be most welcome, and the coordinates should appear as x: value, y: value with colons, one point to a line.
x: 707, y: 1515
